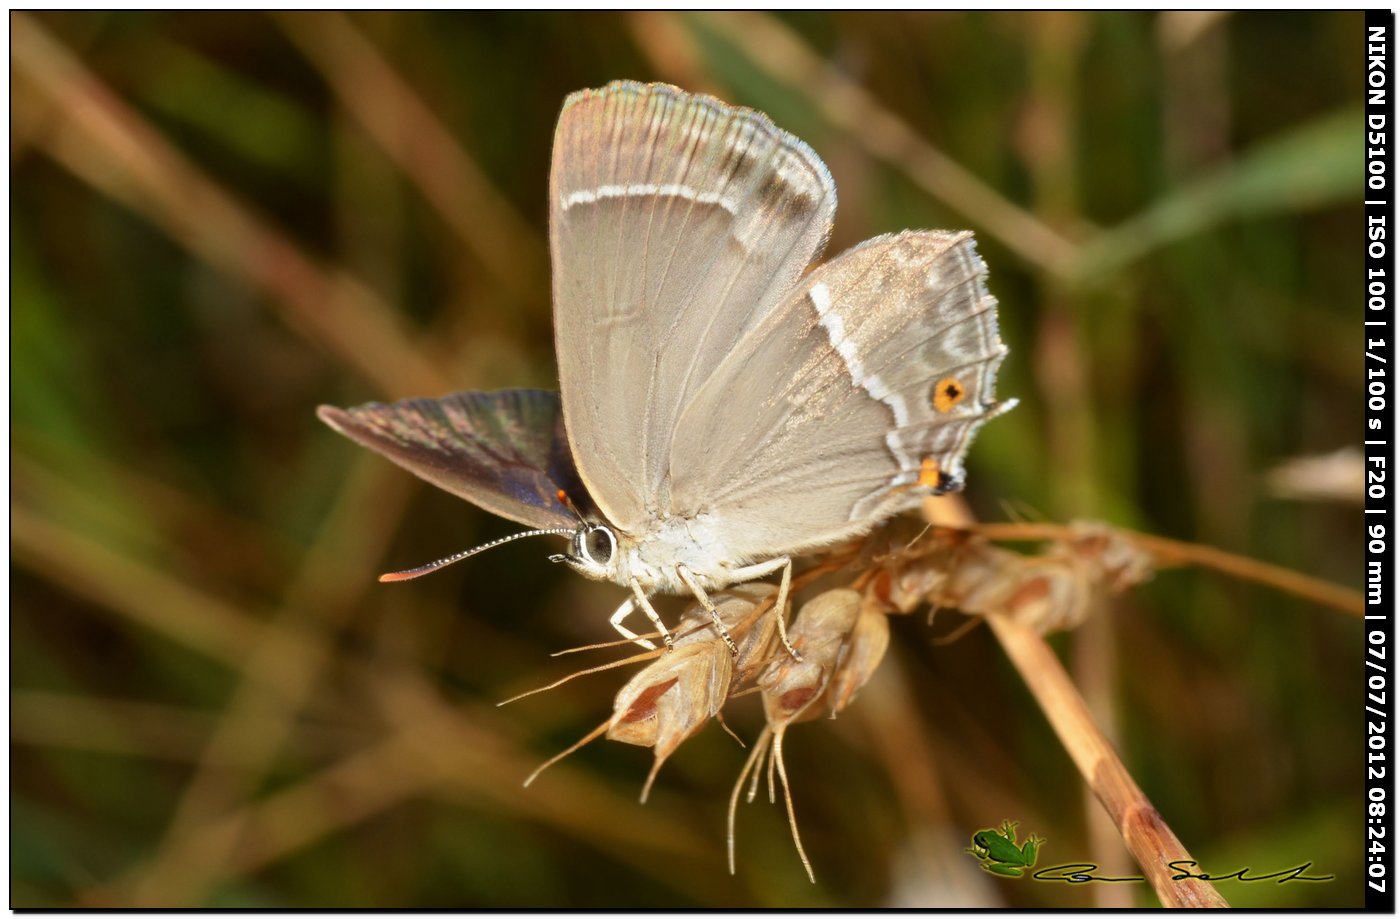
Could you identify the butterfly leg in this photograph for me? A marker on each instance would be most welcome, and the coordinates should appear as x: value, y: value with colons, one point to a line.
x: 709, y: 605
x: 622, y: 613
x: 639, y: 599
x: 763, y: 569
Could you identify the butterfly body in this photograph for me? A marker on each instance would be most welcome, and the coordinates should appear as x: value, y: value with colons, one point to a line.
x: 653, y: 558
x: 724, y: 406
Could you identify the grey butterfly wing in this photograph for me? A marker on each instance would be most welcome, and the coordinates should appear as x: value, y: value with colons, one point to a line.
x: 677, y: 224
x: 504, y: 451
x: 855, y: 398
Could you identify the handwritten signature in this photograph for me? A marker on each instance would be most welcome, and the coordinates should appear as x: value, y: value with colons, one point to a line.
x: 1083, y: 873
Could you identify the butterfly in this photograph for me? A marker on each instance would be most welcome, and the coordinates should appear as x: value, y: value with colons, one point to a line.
x: 724, y: 405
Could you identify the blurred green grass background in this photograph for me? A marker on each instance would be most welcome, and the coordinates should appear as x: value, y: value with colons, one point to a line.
x: 221, y: 220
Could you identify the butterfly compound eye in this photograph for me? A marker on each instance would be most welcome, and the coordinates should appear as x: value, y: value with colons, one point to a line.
x: 599, y: 545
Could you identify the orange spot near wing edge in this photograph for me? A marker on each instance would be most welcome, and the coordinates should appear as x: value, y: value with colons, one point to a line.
x: 947, y: 393
x: 929, y: 473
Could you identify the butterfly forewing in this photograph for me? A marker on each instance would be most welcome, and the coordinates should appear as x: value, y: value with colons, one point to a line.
x: 503, y: 451
x: 678, y: 223
x: 853, y: 399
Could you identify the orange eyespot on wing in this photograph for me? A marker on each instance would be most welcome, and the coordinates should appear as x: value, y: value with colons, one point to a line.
x: 929, y: 473
x: 947, y: 393
x: 930, y: 476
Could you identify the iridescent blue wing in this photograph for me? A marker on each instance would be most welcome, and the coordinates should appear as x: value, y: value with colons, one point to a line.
x: 504, y: 451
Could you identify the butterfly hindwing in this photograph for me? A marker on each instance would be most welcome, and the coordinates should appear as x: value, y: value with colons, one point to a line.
x: 855, y: 398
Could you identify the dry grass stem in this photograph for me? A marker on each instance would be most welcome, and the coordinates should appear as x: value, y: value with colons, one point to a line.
x: 148, y: 597
x: 46, y: 475
x: 106, y: 143
x: 435, y: 750
x: 1098, y: 561
x: 671, y: 50
x: 292, y: 652
x: 1146, y: 834
x: 199, y: 620
x: 841, y: 634
x: 280, y: 823
x: 778, y: 51
x: 1168, y: 552
x: 142, y: 729
x: 392, y: 113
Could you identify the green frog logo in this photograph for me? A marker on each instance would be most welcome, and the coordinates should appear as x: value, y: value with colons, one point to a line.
x: 997, y: 852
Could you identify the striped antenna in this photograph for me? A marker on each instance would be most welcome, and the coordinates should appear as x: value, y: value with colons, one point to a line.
x: 444, y: 562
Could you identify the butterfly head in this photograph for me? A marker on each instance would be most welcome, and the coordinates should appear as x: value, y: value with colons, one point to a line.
x: 592, y: 552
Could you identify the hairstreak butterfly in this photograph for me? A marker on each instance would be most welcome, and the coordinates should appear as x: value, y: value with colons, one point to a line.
x: 724, y: 405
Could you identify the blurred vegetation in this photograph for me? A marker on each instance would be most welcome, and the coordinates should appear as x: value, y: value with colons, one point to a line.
x: 221, y: 220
